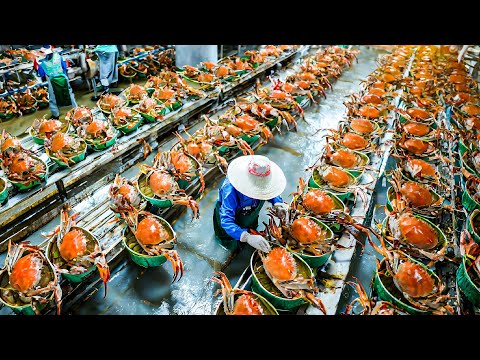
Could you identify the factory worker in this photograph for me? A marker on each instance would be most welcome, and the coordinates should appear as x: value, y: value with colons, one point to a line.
x: 107, y: 56
x: 54, y: 68
x: 251, y: 180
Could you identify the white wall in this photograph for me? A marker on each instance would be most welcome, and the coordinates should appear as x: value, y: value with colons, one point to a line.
x: 194, y: 54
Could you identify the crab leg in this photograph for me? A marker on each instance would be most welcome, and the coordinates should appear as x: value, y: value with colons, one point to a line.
x: 177, y: 263
x: 318, y: 303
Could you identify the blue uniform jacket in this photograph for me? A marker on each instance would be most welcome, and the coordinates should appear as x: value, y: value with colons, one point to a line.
x: 232, y: 201
x: 42, y: 73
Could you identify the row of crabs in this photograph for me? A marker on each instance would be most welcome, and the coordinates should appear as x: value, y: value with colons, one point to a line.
x: 24, y: 102
x: 66, y: 141
x: 30, y: 277
x: 304, y: 223
x: 231, y: 68
x: 463, y: 101
x: 160, y: 183
x: 403, y: 282
x: 411, y: 242
x: 304, y: 237
x: 152, y: 64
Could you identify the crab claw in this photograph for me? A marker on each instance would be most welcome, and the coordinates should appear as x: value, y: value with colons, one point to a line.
x: 103, y: 270
x: 315, y: 302
x: 147, y: 149
x: 177, y: 264
x: 266, y: 134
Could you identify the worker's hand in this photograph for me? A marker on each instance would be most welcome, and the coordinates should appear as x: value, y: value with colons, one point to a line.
x: 257, y: 241
x: 281, y: 209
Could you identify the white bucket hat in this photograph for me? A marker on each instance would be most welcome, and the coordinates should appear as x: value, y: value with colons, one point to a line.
x: 257, y: 177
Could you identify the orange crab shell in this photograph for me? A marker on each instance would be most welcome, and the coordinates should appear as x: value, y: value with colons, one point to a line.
x: 204, y: 77
x: 457, y: 79
x: 418, y: 194
x: 95, y: 126
x: 416, y: 146
x: 471, y: 110
x: 417, y: 232
x: 81, y: 112
x: 206, y: 147
x: 386, y: 77
x: 379, y: 85
x: 287, y: 87
x: 59, y: 141
x: 306, y: 76
x: 137, y: 91
x: 20, y: 163
x: 369, y: 112
x: 50, y: 126
x: 240, y: 65
x: 417, y: 113
x: 414, y: 280
x: 306, y: 231
x: 246, y: 122
x: 247, y: 305
x: 181, y: 162
x: 193, y: 149
x: 354, y: 141
x: 233, y: 130
x: 164, y: 93
x: 417, y: 129
x: 127, y: 191
x: 344, y: 158
x: 221, y: 71
x: 473, y: 122
x: 11, y: 142
x: 151, y: 232
x: 147, y: 104
x: 362, y: 126
x: 416, y: 91
x: 160, y: 183
x: 303, y: 84
x: 209, y: 65
x: 336, y: 177
x: 123, y: 112
x: 74, y: 244
x: 277, y: 94
x: 377, y: 91
x: 281, y: 264
x: 372, y: 99
x: 26, y: 273
x: 461, y: 87
x: 426, y: 168
x: 461, y: 97
x: 318, y: 201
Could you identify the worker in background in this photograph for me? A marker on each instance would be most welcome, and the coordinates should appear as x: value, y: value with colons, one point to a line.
x: 251, y: 180
x: 54, y: 68
x: 107, y: 56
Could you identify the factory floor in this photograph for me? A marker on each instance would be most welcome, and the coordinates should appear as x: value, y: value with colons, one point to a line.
x: 135, y: 290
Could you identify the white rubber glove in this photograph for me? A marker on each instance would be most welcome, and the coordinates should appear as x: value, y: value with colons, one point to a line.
x: 257, y: 241
x: 281, y: 209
